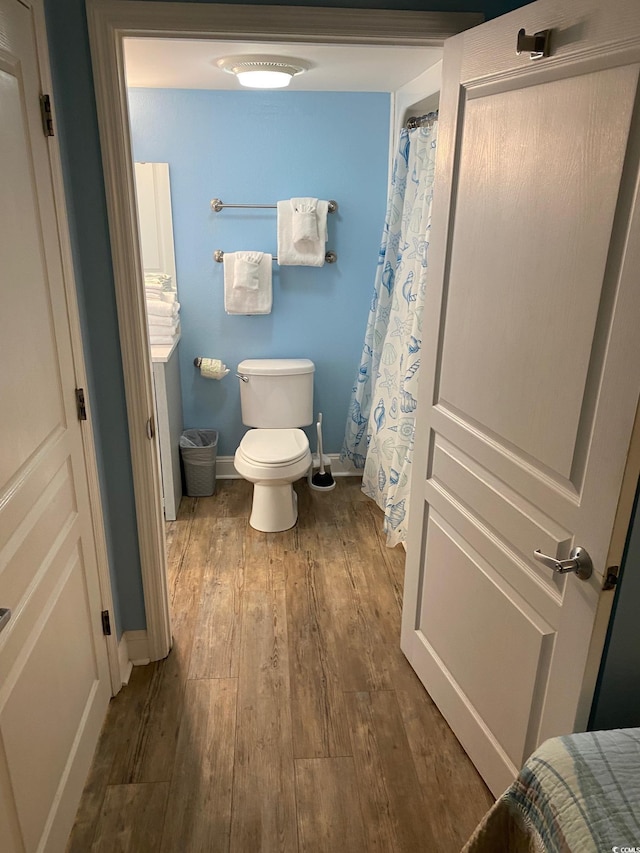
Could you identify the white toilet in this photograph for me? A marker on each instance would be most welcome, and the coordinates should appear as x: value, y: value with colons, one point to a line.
x: 276, y: 396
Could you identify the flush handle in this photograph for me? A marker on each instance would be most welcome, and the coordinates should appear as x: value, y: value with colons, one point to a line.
x: 579, y: 562
x: 242, y: 378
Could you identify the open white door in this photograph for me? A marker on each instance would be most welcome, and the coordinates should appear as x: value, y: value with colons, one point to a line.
x: 54, y: 682
x: 530, y: 373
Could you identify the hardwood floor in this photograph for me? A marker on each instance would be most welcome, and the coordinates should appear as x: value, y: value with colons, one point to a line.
x: 286, y: 717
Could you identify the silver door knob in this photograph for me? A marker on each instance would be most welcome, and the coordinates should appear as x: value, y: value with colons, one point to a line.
x: 579, y: 562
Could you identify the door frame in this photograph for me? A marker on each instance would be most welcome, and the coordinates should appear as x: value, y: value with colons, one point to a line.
x: 110, y: 22
x: 77, y: 349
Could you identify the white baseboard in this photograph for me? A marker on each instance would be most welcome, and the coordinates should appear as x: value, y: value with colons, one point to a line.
x: 225, y: 469
x: 137, y: 645
x: 124, y: 663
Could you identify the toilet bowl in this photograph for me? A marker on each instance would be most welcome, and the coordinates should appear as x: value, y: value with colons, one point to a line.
x: 273, y: 459
x: 276, y: 398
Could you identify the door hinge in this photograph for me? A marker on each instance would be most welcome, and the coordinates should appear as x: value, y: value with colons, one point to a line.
x: 47, y: 115
x: 106, y: 623
x: 81, y: 405
x: 611, y: 580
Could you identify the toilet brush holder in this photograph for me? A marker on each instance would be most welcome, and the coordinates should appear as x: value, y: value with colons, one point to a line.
x: 314, y: 473
x: 321, y: 480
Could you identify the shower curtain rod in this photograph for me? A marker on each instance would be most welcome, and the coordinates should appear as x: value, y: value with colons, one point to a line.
x: 217, y: 204
x: 418, y: 121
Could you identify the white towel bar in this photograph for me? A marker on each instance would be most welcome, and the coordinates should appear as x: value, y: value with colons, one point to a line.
x: 330, y: 257
x: 217, y: 204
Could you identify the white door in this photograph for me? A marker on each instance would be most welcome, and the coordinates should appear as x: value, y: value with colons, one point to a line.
x: 54, y: 684
x: 530, y: 374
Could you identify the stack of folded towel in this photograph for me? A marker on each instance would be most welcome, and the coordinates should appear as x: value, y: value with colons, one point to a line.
x: 302, y: 232
x: 163, y: 310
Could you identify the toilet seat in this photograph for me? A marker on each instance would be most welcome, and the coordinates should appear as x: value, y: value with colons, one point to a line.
x: 274, y: 447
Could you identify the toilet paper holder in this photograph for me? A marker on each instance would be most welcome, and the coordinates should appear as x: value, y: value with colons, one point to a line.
x: 210, y: 368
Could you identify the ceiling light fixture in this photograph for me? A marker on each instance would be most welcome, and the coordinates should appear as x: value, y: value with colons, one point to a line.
x: 263, y: 72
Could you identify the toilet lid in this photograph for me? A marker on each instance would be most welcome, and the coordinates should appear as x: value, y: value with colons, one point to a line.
x: 274, y: 446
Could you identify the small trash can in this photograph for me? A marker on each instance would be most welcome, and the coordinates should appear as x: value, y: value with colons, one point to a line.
x: 198, y: 449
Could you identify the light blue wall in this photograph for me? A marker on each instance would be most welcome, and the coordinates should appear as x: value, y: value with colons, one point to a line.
x: 257, y: 147
x: 75, y: 124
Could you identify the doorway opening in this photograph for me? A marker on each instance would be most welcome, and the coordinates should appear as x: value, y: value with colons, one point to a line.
x: 109, y: 29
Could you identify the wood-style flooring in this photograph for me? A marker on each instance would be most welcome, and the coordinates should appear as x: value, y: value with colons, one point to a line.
x: 286, y: 717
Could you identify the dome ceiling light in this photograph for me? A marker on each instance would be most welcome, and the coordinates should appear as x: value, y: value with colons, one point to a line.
x: 263, y: 72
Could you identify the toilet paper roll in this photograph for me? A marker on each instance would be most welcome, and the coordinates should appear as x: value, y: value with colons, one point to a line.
x: 213, y: 368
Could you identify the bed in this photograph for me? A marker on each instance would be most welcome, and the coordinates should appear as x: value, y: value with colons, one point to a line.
x: 576, y: 794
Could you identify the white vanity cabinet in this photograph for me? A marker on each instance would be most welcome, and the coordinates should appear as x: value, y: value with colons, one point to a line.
x: 166, y: 380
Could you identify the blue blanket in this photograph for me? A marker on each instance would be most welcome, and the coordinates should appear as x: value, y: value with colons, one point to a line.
x: 576, y: 794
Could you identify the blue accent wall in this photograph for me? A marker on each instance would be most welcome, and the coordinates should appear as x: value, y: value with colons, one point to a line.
x: 78, y: 131
x: 76, y: 126
x: 257, y: 147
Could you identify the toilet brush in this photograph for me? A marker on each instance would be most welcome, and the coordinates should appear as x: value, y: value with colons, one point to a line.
x: 322, y: 479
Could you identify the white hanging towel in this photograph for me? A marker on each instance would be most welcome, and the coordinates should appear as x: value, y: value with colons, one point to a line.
x: 304, y: 221
x: 298, y: 244
x: 247, y: 282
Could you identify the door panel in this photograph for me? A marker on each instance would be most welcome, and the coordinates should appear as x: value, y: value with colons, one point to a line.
x: 44, y: 684
x: 530, y: 377
x: 26, y: 419
x: 511, y: 527
x: 517, y: 639
x: 54, y: 685
x: 509, y: 164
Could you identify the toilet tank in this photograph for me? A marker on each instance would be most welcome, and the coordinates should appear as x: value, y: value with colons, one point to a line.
x: 276, y: 393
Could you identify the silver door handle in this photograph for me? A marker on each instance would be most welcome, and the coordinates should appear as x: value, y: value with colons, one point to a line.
x: 5, y: 615
x: 579, y: 562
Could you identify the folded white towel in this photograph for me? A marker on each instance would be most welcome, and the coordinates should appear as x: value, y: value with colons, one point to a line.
x: 161, y: 340
x: 170, y: 295
x: 247, y: 270
x: 164, y: 336
x: 241, y: 293
x: 156, y: 320
x: 158, y: 307
x: 158, y: 279
x: 165, y: 325
x: 153, y: 293
x: 304, y: 220
x: 306, y: 253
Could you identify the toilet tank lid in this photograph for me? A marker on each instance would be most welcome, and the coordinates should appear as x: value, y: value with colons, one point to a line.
x: 275, y: 366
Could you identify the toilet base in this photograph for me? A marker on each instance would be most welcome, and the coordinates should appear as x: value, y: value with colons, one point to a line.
x: 274, y: 508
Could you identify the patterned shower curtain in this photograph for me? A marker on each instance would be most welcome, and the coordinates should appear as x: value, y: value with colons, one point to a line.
x: 381, y: 420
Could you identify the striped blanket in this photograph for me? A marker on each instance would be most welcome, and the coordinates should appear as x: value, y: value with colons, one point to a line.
x: 576, y: 794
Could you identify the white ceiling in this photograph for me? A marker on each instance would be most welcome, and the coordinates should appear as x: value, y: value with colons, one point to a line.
x: 191, y: 64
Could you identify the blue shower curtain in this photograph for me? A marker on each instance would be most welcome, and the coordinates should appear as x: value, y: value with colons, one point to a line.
x: 381, y: 420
